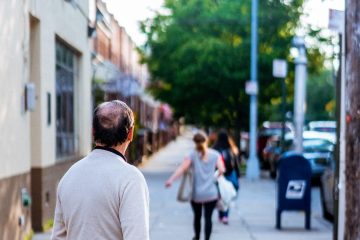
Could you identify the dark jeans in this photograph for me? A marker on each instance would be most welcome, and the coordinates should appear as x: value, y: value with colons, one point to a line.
x: 208, y: 209
x: 223, y: 214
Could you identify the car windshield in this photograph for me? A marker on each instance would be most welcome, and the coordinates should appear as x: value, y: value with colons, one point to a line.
x: 273, y: 131
x: 317, y: 145
x: 325, y: 129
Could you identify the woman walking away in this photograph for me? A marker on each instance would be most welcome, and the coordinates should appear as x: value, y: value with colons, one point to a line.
x: 229, y: 153
x: 203, y: 163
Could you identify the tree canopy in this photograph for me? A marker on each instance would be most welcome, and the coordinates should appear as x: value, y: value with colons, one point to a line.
x: 198, y: 54
x: 321, y: 87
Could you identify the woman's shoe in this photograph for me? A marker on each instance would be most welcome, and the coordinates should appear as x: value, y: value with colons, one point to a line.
x: 194, y: 238
x: 225, y: 220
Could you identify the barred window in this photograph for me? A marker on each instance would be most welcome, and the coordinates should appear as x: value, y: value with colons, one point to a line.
x: 65, y: 75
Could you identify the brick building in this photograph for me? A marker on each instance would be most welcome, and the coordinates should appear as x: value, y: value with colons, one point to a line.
x: 119, y: 75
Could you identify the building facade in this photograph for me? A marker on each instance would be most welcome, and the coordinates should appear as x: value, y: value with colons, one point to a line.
x: 54, y: 69
x: 45, y: 106
x: 119, y: 74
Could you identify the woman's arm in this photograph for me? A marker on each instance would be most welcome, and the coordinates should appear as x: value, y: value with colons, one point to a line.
x: 178, y: 172
x: 220, y: 165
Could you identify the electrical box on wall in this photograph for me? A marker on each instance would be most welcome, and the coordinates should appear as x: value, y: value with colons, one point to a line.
x: 30, y: 97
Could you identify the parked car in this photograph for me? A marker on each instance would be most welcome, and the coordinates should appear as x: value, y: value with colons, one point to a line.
x: 317, y: 149
x: 327, y: 190
x: 268, y: 130
x: 323, y: 126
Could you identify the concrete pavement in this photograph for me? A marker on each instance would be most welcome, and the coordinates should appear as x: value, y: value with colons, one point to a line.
x: 252, y: 216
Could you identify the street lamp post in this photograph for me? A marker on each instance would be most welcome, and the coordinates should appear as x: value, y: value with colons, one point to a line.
x: 252, y: 169
x: 300, y: 91
x: 280, y: 71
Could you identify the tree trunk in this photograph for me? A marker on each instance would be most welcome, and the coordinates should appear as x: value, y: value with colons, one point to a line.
x: 352, y: 224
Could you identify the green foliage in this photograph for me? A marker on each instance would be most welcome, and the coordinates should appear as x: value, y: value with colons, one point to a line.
x: 320, y: 97
x: 97, y: 92
x: 49, y: 224
x: 134, y: 157
x: 29, y: 235
x: 199, y: 56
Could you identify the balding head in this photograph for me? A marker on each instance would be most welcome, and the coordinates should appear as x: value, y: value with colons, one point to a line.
x: 112, y: 123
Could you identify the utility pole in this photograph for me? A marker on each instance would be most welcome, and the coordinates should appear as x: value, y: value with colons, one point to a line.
x: 352, y: 107
x: 300, y: 91
x: 337, y: 25
x: 253, y: 169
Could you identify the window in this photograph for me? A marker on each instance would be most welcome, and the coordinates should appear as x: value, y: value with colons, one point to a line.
x: 65, y: 75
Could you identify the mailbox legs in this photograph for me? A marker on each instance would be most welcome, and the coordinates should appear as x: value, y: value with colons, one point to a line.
x: 278, y: 219
x: 308, y: 219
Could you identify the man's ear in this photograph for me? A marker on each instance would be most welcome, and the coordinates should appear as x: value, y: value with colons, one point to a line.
x: 131, y: 134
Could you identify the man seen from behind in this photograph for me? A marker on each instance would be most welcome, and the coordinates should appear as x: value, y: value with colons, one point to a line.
x: 102, y: 196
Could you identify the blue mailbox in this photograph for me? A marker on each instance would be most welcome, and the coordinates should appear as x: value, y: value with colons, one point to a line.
x: 294, y: 186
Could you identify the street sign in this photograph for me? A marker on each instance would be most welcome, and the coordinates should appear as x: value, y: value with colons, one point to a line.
x: 279, y: 68
x: 336, y: 20
x: 251, y: 88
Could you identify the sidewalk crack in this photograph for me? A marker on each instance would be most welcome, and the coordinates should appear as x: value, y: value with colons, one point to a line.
x: 247, y: 227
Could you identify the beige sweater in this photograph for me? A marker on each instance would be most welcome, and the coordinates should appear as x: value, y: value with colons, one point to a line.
x: 102, y: 197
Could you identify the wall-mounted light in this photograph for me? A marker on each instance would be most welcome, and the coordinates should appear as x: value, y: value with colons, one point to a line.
x: 25, y: 198
x: 91, y: 31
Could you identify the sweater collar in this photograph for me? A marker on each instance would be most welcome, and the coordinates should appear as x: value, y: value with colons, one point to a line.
x: 112, y: 150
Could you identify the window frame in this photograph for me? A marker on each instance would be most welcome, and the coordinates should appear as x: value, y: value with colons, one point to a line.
x: 70, y: 66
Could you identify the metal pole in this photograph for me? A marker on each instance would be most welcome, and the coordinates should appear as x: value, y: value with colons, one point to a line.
x: 300, y: 92
x: 283, y: 114
x: 252, y: 169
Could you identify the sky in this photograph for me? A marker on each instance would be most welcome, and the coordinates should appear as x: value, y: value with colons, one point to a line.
x: 130, y: 12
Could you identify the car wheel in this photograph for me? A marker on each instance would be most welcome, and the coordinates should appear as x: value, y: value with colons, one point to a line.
x: 326, y: 213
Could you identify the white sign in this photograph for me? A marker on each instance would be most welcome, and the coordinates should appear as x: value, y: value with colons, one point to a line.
x: 295, y: 189
x: 336, y: 20
x: 251, y: 88
x: 279, y: 68
x: 30, y: 97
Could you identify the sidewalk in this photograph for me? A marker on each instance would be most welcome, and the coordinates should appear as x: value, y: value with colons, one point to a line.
x: 252, y: 217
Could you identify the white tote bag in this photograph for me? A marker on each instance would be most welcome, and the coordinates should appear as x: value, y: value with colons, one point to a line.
x: 227, y: 193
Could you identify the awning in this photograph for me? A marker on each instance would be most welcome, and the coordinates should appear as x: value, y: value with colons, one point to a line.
x: 150, y: 100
